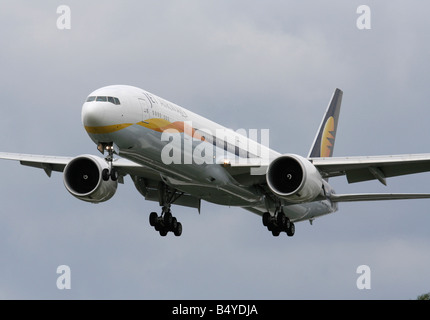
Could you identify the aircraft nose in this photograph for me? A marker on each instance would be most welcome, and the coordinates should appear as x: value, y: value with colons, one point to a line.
x: 93, y: 114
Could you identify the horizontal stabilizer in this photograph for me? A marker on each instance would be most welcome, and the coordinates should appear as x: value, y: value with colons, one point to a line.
x: 377, y: 196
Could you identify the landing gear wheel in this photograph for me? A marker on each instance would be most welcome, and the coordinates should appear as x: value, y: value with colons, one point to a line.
x: 165, y: 223
x: 105, y: 174
x: 114, y: 174
x: 153, y: 217
x: 278, y: 223
x: 291, y: 230
x: 168, y: 218
x: 174, y: 224
x: 266, y: 219
x: 281, y: 220
x: 178, y: 229
x: 287, y: 224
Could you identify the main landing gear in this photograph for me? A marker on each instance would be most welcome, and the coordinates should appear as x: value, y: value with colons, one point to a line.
x: 278, y: 223
x: 166, y: 222
x: 167, y: 196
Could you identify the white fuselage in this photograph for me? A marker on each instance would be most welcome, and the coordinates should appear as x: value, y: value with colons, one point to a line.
x: 134, y: 121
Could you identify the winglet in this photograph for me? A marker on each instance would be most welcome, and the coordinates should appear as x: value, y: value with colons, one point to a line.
x: 323, y: 144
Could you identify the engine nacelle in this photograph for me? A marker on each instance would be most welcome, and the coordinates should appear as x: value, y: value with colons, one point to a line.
x: 294, y: 178
x: 83, y: 179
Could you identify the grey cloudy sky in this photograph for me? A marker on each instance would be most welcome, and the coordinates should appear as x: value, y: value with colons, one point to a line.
x: 244, y: 64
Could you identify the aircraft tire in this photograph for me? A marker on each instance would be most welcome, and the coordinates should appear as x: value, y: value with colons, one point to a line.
x: 174, y: 224
x: 266, y: 219
x: 275, y: 233
x: 114, y: 174
x: 281, y: 220
x: 167, y: 219
x: 291, y: 230
x: 105, y: 174
x: 153, y: 219
x: 178, y: 229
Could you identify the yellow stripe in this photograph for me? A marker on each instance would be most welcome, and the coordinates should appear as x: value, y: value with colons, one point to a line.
x: 155, y: 124
x: 107, y: 129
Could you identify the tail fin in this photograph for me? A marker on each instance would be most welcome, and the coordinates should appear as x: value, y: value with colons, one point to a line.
x: 324, y: 141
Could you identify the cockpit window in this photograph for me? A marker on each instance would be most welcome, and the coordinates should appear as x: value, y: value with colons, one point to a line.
x: 113, y: 100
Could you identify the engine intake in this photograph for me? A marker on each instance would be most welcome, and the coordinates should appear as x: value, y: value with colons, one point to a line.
x: 83, y: 179
x: 294, y: 178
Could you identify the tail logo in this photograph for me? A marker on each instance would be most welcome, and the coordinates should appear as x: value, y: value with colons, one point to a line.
x: 327, y: 139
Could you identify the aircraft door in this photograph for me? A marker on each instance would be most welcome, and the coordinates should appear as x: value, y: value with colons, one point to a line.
x: 145, y: 108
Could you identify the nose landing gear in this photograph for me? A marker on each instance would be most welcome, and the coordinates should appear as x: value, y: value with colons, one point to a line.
x: 164, y: 223
x: 110, y: 172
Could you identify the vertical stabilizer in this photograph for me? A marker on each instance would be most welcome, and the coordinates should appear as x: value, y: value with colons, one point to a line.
x: 324, y: 141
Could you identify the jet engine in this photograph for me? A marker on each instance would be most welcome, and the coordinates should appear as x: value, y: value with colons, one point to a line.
x: 294, y: 178
x: 83, y: 179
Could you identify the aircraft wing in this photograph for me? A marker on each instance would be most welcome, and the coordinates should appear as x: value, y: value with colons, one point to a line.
x: 358, y: 169
x: 47, y: 163
x: 146, y: 179
x: 377, y: 196
x: 58, y: 163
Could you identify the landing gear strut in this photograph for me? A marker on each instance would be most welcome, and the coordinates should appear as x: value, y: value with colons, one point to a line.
x: 278, y: 223
x: 166, y: 221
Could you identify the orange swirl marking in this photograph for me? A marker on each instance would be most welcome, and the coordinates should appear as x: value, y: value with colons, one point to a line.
x: 327, y: 139
x: 162, y: 125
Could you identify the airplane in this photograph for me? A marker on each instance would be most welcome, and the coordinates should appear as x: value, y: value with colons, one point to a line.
x: 177, y: 157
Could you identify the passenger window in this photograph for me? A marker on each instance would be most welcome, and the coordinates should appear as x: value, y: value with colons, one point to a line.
x: 117, y: 101
x: 92, y: 98
x: 111, y: 100
x: 101, y: 99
